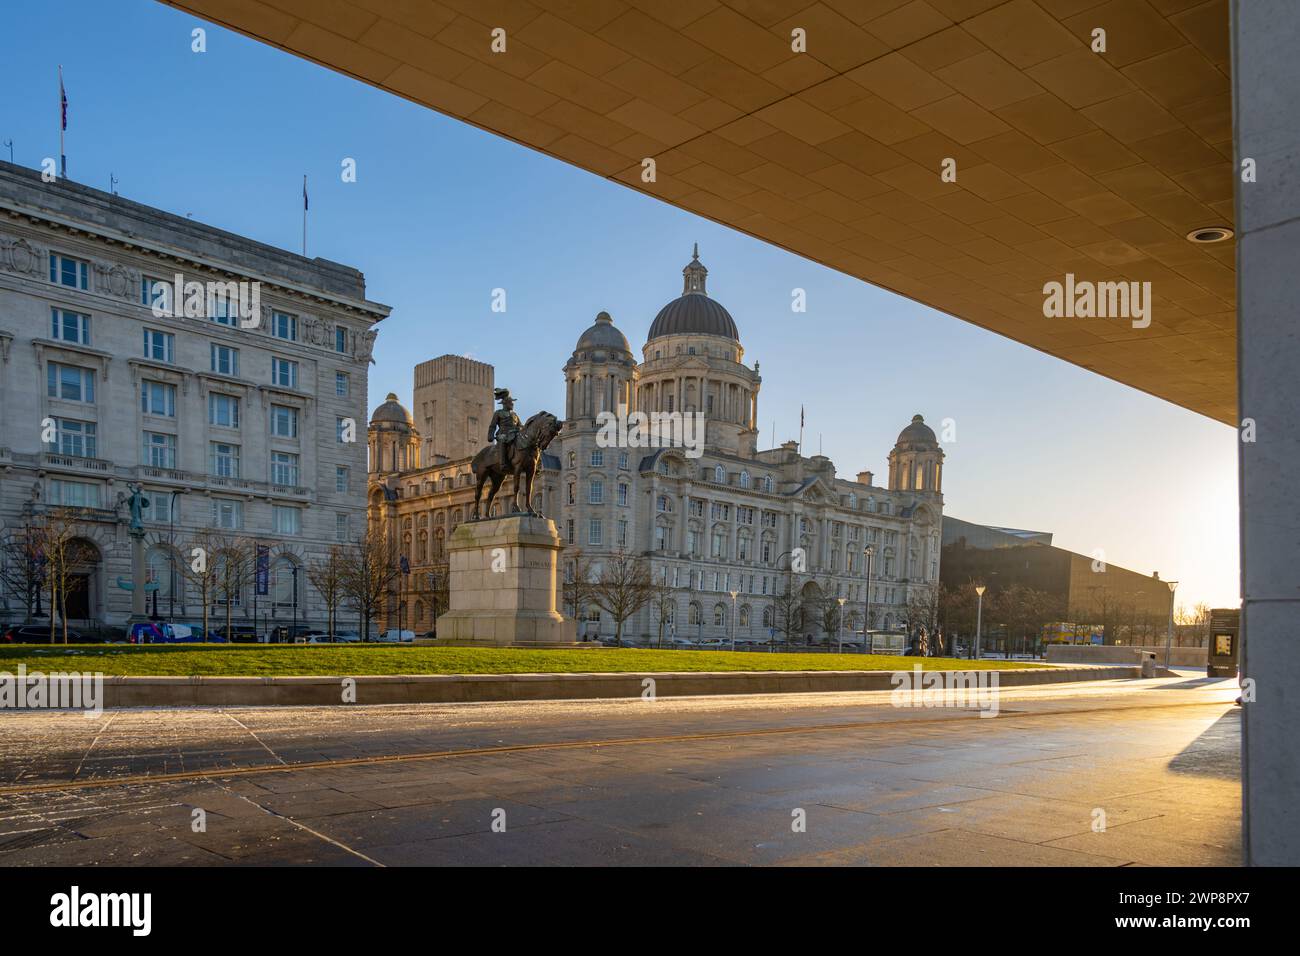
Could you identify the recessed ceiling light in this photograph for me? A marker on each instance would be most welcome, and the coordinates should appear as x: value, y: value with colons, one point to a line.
x: 1210, y: 234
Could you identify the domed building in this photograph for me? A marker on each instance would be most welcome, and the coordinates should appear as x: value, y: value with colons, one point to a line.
x: 745, y: 542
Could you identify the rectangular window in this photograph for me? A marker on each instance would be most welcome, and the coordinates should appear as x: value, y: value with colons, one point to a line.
x: 72, y: 437
x: 340, y: 339
x: 622, y: 532
x: 342, y: 386
x: 74, y: 494
x: 160, y: 507
x: 225, y: 360
x: 225, y: 460
x: 342, y: 429
x: 227, y: 514
x: 340, y: 479
x: 622, y: 495
x: 284, y: 326
x: 223, y: 410
x: 284, y: 468
x: 341, y: 527
x: 284, y: 421
x: 70, y: 383
x: 595, y: 531
x: 158, y: 398
x: 284, y: 373
x: 286, y: 520
x: 159, y: 450
x: 223, y: 308
x: 68, y: 326
x: 661, y: 538
x: 154, y: 290
x: 569, y: 530
x: 596, y: 493
x: 597, y: 458
x: 159, y: 346
x: 74, y: 273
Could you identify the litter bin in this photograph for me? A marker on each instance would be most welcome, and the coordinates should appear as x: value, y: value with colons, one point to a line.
x: 1148, y: 663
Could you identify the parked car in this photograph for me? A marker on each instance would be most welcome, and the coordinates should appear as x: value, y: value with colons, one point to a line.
x: 347, y: 637
x: 395, y: 636
x: 165, y: 632
x: 38, y: 634
x: 239, y: 634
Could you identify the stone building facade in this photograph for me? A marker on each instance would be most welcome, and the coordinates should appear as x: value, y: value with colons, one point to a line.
x: 250, y: 423
x: 719, y: 518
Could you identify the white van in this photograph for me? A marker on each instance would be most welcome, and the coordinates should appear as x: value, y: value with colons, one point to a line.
x: 396, y: 637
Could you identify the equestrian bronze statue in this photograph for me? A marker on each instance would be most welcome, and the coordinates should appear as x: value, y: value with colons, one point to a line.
x: 515, y: 451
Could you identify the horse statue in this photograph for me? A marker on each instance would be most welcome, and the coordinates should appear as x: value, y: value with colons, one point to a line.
x: 517, y: 459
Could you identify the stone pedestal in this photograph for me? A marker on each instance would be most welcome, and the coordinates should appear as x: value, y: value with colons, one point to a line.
x: 503, y: 585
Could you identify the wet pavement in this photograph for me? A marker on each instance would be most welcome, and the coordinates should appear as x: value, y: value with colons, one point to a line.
x: 1101, y: 774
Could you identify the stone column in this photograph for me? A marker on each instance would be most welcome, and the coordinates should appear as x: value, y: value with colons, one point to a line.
x: 1266, y: 114
x: 139, y: 605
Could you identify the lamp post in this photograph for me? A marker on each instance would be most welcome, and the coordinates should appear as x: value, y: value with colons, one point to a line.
x: 979, y: 619
x: 841, y: 601
x: 1169, y: 635
x: 733, y: 618
x: 171, y: 553
x: 868, y: 552
x: 293, y: 635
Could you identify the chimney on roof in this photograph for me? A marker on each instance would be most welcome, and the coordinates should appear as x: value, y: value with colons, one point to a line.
x: 864, y: 478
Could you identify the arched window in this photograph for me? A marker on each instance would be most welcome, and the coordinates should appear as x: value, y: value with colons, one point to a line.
x: 720, y: 474
x: 285, y: 590
x: 744, y: 615
x: 664, y: 503
x: 767, y: 617
x: 744, y: 479
x: 694, y: 613
x: 767, y: 483
x: 719, y: 615
x: 422, y: 547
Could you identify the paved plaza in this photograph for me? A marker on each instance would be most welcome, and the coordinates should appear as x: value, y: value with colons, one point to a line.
x: 1109, y: 773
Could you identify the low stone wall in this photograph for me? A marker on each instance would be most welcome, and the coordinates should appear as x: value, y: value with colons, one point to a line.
x: 1124, y: 654
x: 454, y: 688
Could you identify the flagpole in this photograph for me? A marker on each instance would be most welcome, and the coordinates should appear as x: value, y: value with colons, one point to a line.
x: 304, y: 215
x: 63, y: 126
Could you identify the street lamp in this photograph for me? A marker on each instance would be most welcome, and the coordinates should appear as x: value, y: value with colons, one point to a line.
x: 841, y: 601
x: 733, y: 619
x: 979, y: 619
x: 1169, y: 635
x: 293, y: 635
x: 868, y: 552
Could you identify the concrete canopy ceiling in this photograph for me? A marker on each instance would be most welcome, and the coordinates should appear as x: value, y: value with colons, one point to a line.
x: 1067, y: 160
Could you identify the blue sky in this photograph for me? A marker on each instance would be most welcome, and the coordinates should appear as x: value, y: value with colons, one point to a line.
x: 441, y: 214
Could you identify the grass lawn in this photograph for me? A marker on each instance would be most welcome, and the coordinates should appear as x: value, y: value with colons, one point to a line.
x: 344, y: 660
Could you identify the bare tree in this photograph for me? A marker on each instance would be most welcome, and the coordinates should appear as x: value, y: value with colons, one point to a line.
x: 22, y: 558
x: 370, y: 566
x: 235, y: 561
x: 623, y: 587
x: 787, y: 609
x: 664, y: 602
x: 63, y: 552
x: 578, y: 592
x: 200, y: 570
x: 829, y: 612
x: 326, y: 576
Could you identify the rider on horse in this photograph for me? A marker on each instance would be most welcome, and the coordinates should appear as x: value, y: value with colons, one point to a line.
x: 505, y: 425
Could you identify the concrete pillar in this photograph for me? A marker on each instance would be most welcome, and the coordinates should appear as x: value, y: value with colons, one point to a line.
x: 1266, y: 114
